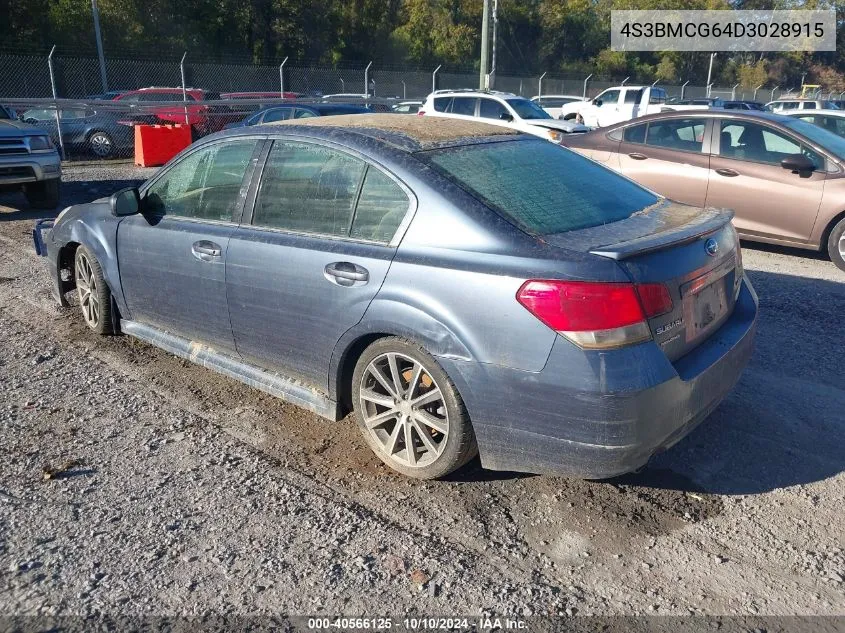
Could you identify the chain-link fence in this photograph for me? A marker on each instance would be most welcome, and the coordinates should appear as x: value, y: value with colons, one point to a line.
x: 229, y: 92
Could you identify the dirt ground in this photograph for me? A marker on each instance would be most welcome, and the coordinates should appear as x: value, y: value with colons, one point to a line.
x: 132, y: 482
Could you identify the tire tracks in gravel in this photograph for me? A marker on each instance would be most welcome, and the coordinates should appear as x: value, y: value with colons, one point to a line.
x: 297, y: 470
x: 497, y: 519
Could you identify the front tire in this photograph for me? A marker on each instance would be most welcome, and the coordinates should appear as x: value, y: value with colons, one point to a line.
x: 93, y: 292
x: 44, y: 194
x: 836, y: 244
x: 409, y: 411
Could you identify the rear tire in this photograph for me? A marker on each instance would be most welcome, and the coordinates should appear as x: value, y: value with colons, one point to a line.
x: 44, y: 194
x: 836, y: 244
x: 411, y: 416
x: 93, y: 292
x: 100, y: 144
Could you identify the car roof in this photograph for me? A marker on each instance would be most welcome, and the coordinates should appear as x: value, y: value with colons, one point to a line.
x: 794, y: 113
x: 470, y: 92
x: 406, y: 133
x: 702, y: 114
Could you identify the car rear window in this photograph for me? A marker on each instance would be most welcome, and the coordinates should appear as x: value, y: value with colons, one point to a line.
x: 539, y: 186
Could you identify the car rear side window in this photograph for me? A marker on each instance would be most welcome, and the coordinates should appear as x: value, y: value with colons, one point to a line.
x: 205, y: 185
x: 441, y: 104
x: 686, y: 135
x: 634, y: 134
x: 540, y: 186
x: 381, y: 207
x: 277, y: 114
x: 464, y: 106
x: 308, y: 189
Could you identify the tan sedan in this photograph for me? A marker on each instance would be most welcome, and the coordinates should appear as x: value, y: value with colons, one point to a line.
x: 784, y: 178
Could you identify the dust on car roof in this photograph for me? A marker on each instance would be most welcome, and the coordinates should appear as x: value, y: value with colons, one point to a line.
x: 424, y: 132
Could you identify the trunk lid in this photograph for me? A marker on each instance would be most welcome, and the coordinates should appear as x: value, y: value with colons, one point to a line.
x: 694, y: 252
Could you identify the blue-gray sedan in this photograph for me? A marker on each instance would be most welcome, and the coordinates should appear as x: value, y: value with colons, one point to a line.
x: 463, y: 288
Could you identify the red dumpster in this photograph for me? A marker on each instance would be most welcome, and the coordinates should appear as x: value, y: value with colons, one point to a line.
x: 157, y: 144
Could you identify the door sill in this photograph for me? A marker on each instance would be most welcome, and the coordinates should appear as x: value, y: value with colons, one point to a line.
x: 273, y: 383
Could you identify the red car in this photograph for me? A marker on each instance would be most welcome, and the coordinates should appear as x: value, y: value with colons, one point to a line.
x: 260, y: 95
x: 203, y: 119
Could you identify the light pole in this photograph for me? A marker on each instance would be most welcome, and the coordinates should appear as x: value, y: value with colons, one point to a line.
x: 540, y: 85
x: 55, y: 96
x: 492, y: 81
x: 755, y: 91
x: 773, y: 92
x: 733, y: 92
x: 624, y: 80
x: 485, y: 32
x: 96, y: 12
x: 683, y: 88
x: 434, y: 78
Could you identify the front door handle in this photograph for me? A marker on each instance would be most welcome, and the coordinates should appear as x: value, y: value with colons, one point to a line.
x: 728, y: 173
x: 346, y: 273
x: 637, y: 156
x: 206, y: 251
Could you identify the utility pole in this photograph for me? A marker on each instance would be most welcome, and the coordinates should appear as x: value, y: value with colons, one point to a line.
x: 96, y: 13
x: 710, y: 72
x: 492, y: 81
x: 485, y: 40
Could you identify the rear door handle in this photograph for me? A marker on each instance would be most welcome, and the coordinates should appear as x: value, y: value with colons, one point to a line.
x: 346, y: 273
x: 728, y: 173
x: 637, y: 156
x: 206, y: 251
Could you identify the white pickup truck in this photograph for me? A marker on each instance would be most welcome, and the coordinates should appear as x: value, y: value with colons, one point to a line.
x: 622, y: 103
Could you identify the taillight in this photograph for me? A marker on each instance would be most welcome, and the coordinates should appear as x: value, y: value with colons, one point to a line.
x: 420, y: 112
x: 596, y: 315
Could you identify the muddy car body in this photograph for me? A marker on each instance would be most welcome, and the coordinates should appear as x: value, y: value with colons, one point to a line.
x: 444, y: 304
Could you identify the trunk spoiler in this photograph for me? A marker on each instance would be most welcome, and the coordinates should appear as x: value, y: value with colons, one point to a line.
x: 654, y: 228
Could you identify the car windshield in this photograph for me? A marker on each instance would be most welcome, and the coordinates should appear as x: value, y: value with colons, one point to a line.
x: 527, y: 109
x: 539, y: 186
x: 833, y: 143
x: 829, y: 105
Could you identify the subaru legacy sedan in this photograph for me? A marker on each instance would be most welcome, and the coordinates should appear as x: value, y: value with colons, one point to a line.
x: 452, y: 283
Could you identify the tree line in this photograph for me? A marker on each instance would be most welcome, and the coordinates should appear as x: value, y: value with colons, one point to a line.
x: 565, y: 37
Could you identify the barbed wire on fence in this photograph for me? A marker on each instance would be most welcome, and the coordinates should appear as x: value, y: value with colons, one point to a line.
x: 28, y: 76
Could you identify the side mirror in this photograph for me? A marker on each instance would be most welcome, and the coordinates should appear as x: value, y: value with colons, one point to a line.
x: 598, y: 102
x: 504, y: 116
x: 798, y: 162
x: 125, y: 202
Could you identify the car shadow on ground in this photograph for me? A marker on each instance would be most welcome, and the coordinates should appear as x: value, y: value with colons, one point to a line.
x: 14, y: 207
x: 784, y: 423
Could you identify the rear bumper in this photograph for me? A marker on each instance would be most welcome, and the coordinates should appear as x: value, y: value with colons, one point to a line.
x: 601, y: 414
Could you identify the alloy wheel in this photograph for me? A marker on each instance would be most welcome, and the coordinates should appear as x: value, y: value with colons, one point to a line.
x: 404, y: 410
x: 842, y: 246
x: 100, y: 144
x: 86, y: 286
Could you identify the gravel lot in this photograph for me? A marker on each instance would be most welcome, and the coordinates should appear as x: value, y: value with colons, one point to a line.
x: 181, y: 492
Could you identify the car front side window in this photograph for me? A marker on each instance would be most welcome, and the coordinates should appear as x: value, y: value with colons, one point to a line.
x: 491, y: 109
x: 205, y: 185
x: 308, y: 188
x: 742, y: 140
